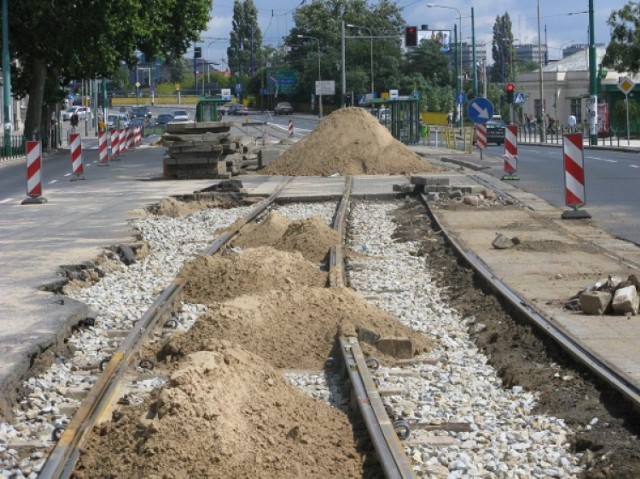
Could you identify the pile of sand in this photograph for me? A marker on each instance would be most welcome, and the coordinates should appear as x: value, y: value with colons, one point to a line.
x: 210, y: 279
x: 292, y: 328
x: 225, y: 413
x: 350, y: 141
x: 312, y: 236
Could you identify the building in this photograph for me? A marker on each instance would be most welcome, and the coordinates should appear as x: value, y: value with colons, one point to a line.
x: 565, y: 87
x: 530, y: 53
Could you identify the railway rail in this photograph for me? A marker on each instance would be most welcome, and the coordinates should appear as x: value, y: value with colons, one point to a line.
x: 368, y: 386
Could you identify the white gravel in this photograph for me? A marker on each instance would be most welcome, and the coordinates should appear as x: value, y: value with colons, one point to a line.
x: 505, y: 440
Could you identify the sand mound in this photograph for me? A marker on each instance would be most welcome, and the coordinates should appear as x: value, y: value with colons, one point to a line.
x: 312, y: 236
x: 216, y: 278
x: 294, y: 328
x: 225, y: 413
x: 349, y: 141
x: 176, y: 207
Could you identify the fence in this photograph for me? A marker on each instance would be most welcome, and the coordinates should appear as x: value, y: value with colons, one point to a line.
x: 16, y: 147
x: 532, y: 134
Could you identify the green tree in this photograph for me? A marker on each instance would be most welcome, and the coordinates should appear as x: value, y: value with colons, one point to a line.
x: 623, y: 52
x: 54, y: 42
x: 502, y: 50
x: 431, y: 62
x: 245, y: 39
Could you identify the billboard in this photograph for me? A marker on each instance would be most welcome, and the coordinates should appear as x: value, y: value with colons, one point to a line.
x: 443, y: 37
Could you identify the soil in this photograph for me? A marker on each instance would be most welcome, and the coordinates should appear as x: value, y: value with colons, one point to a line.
x: 350, y: 141
x: 524, y: 357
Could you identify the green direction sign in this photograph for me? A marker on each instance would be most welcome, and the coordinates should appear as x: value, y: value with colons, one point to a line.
x: 283, y: 81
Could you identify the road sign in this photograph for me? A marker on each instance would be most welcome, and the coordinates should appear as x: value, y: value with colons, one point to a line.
x: 519, y: 98
x: 461, y: 98
x: 480, y: 110
x: 626, y: 85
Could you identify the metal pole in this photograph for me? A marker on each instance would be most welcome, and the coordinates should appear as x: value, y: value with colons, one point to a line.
x: 473, y: 46
x: 593, y: 84
x: 540, y: 81
x: 319, y: 79
x: 344, y: 71
x: 6, y: 78
x: 460, y: 77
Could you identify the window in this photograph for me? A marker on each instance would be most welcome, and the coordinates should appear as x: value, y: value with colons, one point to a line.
x: 576, y: 109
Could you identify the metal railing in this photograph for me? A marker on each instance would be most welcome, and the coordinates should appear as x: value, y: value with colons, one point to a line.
x: 14, y: 149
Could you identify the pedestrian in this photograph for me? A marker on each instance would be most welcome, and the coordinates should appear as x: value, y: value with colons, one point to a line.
x: 527, y: 122
x: 571, y: 122
x: 74, y: 120
x: 551, y: 124
x: 450, y: 119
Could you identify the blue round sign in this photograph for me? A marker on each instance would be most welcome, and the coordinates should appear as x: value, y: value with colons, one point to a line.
x: 480, y: 110
x: 461, y: 98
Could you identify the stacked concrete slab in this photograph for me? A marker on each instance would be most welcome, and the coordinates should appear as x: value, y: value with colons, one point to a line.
x: 206, y: 150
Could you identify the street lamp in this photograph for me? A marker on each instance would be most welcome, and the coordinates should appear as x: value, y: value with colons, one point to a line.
x: 370, y: 38
x: 319, y: 79
x: 433, y: 5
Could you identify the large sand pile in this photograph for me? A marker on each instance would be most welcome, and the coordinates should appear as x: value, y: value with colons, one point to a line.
x: 350, y: 141
x: 225, y: 413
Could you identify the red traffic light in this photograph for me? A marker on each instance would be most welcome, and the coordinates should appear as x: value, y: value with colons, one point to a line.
x: 411, y: 37
x: 510, y: 87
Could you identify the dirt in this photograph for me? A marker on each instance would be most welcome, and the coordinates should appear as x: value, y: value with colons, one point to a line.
x: 349, y: 141
x: 524, y: 357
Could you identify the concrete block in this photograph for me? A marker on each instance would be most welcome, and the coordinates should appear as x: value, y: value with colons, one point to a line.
x: 595, y: 302
x: 625, y: 300
x: 401, y: 348
x: 268, y: 155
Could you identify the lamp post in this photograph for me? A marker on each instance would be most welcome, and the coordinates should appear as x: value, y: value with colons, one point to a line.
x: 543, y: 122
x: 459, y: 80
x: 319, y: 78
x: 370, y: 38
x: 6, y: 78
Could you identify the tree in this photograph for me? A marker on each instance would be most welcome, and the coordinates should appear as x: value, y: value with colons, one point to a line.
x: 502, y: 50
x: 54, y: 42
x: 431, y: 62
x: 245, y: 39
x: 623, y: 52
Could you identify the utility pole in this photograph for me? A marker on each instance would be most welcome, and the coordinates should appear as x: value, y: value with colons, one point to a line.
x: 344, y: 72
x: 6, y: 78
x: 473, y: 47
x: 593, y: 83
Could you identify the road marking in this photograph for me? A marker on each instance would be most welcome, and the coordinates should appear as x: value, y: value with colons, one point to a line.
x: 52, y: 182
x: 601, y: 159
x: 7, y: 200
x: 634, y: 166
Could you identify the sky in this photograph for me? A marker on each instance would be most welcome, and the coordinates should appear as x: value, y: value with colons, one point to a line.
x: 566, y: 22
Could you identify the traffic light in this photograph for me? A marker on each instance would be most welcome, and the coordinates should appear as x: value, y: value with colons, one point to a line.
x: 510, y: 89
x: 411, y: 37
x: 197, y: 52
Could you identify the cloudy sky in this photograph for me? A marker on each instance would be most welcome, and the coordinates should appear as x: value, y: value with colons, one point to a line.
x: 566, y: 21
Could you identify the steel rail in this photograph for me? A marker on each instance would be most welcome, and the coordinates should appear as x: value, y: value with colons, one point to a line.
x: 65, y: 454
x: 579, y: 352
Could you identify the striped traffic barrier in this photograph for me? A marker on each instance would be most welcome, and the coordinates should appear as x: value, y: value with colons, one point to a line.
x: 129, y: 136
x: 510, y: 152
x: 34, y: 174
x: 137, y: 138
x: 290, y: 127
x: 481, y: 137
x: 122, y: 142
x: 115, y: 146
x: 574, y: 190
x: 103, y: 151
x: 77, y: 167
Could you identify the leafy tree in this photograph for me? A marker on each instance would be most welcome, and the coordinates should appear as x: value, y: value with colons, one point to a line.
x: 623, y: 52
x: 57, y: 41
x: 431, y: 62
x: 502, y: 50
x: 245, y: 39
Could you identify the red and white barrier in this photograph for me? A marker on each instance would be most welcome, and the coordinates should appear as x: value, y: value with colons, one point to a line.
x: 510, y: 149
x: 128, y: 133
x: 481, y: 135
x: 115, y: 146
x: 573, y: 149
x: 34, y: 173
x: 122, y: 142
x: 290, y: 127
x: 76, y: 155
x: 137, y: 136
x: 103, y: 151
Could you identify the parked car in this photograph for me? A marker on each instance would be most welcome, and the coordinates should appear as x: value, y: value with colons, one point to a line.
x: 224, y: 109
x: 495, y: 132
x: 164, y: 118
x: 181, y: 116
x: 140, y: 112
x: 137, y: 121
x: 117, y: 120
x: 238, y: 109
x: 283, y: 108
x: 82, y: 111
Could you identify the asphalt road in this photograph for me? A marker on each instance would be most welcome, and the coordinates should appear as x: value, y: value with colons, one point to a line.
x: 612, y: 180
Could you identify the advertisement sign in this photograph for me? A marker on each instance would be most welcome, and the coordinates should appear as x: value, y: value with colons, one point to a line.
x: 603, y: 118
x: 443, y: 37
x: 225, y: 94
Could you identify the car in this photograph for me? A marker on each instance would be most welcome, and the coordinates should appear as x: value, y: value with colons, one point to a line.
x: 238, y: 109
x: 181, y: 116
x: 283, y: 108
x: 224, y: 109
x: 140, y: 112
x: 164, y: 118
x: 495, y: 131
x: 82, y: 111
x: 137, y: 121
x: 117, y: 120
